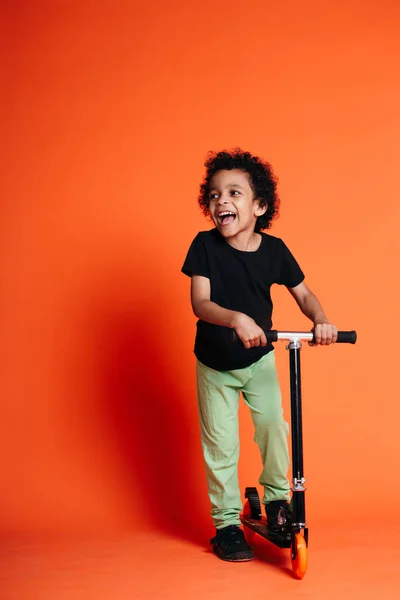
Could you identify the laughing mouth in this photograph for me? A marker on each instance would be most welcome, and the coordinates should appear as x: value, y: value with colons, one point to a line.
x: 226, y: 217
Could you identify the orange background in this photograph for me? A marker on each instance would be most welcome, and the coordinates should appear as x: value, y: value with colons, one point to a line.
x: 110, y: 110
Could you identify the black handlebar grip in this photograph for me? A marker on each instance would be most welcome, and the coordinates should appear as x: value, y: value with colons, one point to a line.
x: 272, y: 336
x: 346, y: 337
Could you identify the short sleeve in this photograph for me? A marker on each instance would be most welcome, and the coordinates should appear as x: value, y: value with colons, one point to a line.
x: 290, y: 273
x: 196, y: 262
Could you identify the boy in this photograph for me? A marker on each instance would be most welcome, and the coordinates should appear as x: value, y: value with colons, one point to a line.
x: 232, y: 268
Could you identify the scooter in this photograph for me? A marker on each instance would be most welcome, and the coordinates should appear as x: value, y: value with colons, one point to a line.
x: 251, y: 516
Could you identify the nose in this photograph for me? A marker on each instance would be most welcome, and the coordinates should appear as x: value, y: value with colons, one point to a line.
x: 222, y: 199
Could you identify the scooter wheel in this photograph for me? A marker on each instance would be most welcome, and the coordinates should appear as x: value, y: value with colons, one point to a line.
x: 249, y: 534
x: 247, y: 510
x: 253, y: 500
x: 299, y: 556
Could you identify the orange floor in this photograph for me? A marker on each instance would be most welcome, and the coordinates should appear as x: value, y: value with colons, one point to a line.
x: 362, y: 563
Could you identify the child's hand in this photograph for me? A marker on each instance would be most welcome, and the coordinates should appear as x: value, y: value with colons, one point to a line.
x: 324, y: 333
x: 248, y: 331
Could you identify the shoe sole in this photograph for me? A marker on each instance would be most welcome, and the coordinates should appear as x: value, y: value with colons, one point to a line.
x: 234, y: 559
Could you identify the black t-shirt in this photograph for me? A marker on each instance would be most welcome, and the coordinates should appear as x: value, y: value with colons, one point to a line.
x: 240, y: 281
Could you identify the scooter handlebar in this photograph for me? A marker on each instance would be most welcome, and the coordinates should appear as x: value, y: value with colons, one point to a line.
x: 347, y: 337
x: 344, y: 337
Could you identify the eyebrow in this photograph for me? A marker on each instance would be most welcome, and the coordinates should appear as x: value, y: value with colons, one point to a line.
x: 229, y: 185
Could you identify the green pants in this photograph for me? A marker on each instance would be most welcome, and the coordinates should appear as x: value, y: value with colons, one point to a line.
x: 218, y: 399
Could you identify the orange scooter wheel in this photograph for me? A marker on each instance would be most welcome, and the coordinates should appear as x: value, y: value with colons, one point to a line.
x: 299, y: 556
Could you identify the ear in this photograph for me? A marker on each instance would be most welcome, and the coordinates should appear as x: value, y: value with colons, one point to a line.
x: 259, y: 210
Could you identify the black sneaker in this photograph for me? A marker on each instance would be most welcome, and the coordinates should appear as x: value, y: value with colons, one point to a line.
x: 230, y: 544
x: 279, y: 519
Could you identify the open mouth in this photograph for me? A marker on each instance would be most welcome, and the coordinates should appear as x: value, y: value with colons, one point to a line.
x: 226, y: 217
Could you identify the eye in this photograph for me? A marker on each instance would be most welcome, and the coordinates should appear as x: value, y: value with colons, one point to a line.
x: 213, y: 196
x: 234, y: 192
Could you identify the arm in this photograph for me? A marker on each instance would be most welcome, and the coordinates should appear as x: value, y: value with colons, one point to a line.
x: 246, y: 328
x: 325, y: 332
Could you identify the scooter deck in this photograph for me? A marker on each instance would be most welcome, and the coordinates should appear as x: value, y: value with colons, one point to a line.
x: 260, y: 527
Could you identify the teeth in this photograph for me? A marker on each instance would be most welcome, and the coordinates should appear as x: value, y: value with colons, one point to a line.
x: 223, y: 214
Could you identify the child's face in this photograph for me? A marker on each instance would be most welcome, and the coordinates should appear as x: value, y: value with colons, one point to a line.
x: 232, y: 205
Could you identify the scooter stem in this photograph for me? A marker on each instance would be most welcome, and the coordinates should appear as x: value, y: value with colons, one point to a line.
x: 298, y: 489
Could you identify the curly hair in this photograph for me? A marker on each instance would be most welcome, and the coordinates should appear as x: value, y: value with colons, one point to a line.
x: 261, y: 179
